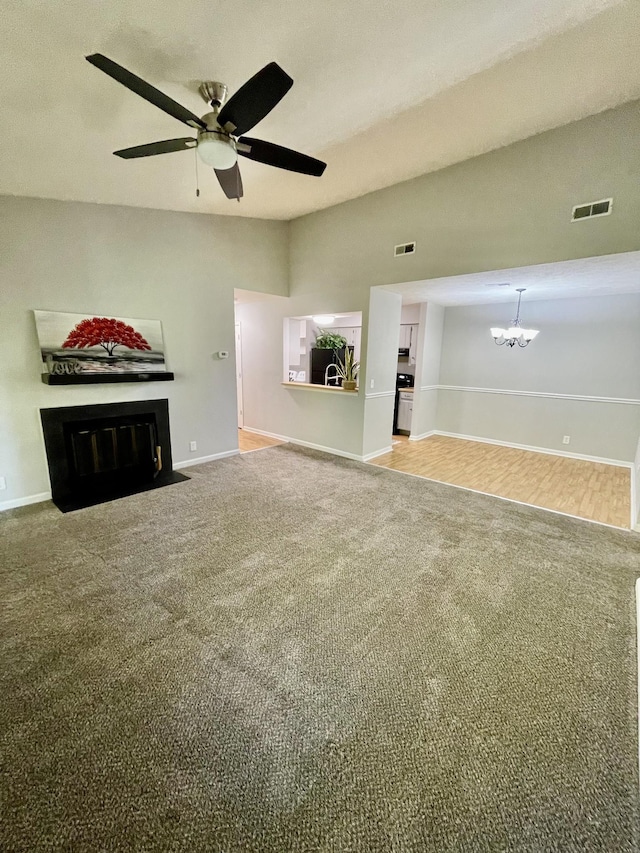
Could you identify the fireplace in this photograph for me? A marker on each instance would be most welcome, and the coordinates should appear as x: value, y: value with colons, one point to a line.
x: 99, y: 453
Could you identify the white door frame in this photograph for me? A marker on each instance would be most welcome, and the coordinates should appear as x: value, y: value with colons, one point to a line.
x: 239, y: 376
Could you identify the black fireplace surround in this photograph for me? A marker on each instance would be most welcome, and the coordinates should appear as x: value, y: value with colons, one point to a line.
x: 106, y: 451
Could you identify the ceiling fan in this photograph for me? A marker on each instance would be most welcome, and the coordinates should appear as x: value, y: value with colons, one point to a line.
x: 220, y: 132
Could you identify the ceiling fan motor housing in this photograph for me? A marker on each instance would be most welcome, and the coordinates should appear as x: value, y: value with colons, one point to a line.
x: 213, y: 93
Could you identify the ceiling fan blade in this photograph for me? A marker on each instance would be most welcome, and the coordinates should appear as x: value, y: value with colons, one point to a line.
x: 166, y: 146
x: 145, y: 90
x: 282, y: 158
x: 230, y: 181
x: 253, y: 101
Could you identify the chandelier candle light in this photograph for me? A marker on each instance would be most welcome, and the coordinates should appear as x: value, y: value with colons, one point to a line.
x: 515, y: 334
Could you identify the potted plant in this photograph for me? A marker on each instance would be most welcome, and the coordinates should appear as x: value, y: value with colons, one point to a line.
x: 348, y: 370
x: 328, y: 348
x: 330, y: 340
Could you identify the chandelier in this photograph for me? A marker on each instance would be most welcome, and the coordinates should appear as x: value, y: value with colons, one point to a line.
x: 515, y: 334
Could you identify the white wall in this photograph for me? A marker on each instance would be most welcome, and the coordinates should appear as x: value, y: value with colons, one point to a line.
x: 355, y: 425
x: 568, y: 381
x: 177, y: 267
x: 380, y: 376
x: 325, y: 419
x: 425, y: 395
x: 410, y: 313
x: 635, y: 484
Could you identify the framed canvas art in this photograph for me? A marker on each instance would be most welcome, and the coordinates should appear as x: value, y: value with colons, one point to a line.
x: 87, y: 344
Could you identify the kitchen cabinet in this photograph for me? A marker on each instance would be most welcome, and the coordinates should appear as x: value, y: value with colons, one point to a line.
x: 353, y: 335
x: 405, y: 336
x: 405, y: 410
x: 413, y: 344
x: 409, y: 340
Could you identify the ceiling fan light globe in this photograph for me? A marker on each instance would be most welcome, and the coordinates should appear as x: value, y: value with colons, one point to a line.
x: 216, y: 150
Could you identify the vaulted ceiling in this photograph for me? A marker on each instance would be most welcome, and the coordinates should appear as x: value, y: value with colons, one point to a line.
x: 383, y: 91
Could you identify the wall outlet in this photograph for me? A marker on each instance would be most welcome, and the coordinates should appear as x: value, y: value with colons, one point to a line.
x: 372, y: 383
x: 3, y: 483
x: 193, y: 445
x: 566, y: 439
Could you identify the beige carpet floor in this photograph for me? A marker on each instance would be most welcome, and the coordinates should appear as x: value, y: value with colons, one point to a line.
x: 294, y: 652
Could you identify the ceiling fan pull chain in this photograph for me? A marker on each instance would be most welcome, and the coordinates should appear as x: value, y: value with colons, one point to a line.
x: 197, y: 184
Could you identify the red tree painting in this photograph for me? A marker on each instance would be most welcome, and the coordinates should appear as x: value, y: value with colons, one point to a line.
x: 104, y: 332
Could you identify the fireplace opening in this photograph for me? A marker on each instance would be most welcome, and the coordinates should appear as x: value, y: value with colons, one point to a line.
x: 103, y: 452
x: 98, y: 453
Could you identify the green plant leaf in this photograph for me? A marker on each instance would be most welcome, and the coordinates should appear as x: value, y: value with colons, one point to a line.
x: 330, y: 340
x: 349, y: 368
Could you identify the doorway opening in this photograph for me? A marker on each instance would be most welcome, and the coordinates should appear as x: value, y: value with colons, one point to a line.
x: 554, y: 424
x: 256, y: 349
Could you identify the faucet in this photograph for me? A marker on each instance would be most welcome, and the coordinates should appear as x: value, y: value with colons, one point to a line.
x: 326, y: 373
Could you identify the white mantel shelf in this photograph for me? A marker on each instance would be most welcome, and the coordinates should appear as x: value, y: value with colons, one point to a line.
x: 309, y: 386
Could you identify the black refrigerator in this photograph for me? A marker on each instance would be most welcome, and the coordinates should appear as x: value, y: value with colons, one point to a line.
x: 320, y: 360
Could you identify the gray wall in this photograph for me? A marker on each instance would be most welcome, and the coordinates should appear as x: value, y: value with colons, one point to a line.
x: 508, y: 208
x: 587, y: 347
x: 504, y: 209
x: 177, y: 267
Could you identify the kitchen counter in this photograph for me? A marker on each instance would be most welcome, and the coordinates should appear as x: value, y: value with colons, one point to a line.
x: 313, y: 387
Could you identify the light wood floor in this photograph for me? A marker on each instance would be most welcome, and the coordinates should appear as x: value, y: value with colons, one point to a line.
x: 252, y: 441
x: 589, y: 490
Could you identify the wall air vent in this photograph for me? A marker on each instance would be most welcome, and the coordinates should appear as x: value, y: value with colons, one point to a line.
x: 594, y: 208
x: 404, y: 249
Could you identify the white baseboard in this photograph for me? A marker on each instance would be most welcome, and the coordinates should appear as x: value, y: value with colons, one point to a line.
x: 422, y: 435
x: 368, y: 456
x: 25, y: 501
x: 603, y: 460
x: 264, y: 432
x: 189, y: 462
x: 46, y: 496
x: 635, y: 521
x: 334, y: 451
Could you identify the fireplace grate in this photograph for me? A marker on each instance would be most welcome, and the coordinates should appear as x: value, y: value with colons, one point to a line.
x: 114, y: 448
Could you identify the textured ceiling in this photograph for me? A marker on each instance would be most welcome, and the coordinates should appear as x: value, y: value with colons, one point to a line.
x: 607, y: 275
x: 383, y: 91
